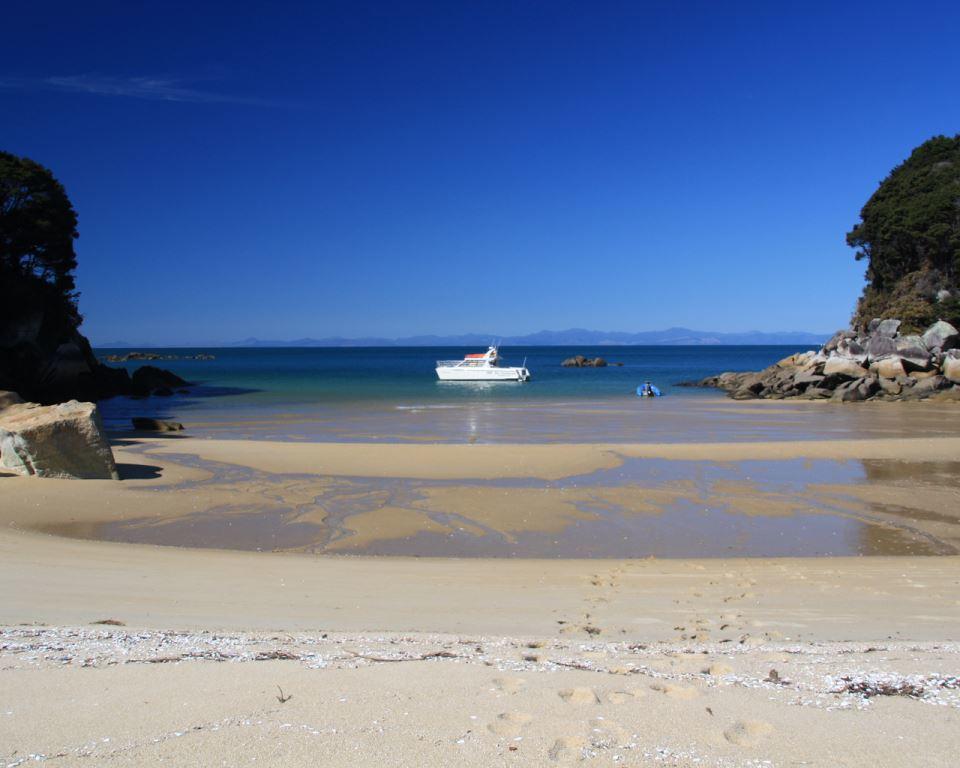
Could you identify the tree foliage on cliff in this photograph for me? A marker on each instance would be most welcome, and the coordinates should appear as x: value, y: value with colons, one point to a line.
x: 37, y: 228
x: 909, y: 233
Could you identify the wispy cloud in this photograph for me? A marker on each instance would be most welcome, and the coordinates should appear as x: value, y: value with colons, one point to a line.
x: 150, y: 88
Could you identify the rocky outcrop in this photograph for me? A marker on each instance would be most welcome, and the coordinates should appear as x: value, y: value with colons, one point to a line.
x: 129, y: 356
x: 47, y: 362
x: 148, y: 379
x: 942, y: 336
x: 64, y: 440
x: 879, y: 364
x: 579, y: 361
x: 145, y: 424
x: 134, y: 356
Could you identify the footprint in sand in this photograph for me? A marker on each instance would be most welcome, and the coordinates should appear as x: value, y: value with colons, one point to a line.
x: 579, y: 696
x: 747, y: 733
x: 509, y: 724
x: 509, y: 684
x: 680, y: 692
x: 567, y: 749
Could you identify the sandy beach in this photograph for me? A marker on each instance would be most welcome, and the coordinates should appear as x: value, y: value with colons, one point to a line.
x: 448, y: 385
x: 839, y: 660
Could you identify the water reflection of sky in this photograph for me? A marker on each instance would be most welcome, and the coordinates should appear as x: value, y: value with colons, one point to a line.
x: 643, y: 508
x: 625, y: 420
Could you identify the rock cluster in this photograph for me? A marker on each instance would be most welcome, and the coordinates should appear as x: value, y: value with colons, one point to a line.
x: 134, y: 356
x: 64, y: 440
x: 880, y: 364
x: 127, y: 357
x: 579, y: 361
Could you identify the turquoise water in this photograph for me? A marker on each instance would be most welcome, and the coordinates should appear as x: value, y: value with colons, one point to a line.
x: 393, y: 393
x: 310, y: 375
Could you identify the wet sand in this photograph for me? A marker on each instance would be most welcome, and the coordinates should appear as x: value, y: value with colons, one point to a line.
x: 812, y: 498
x: 471, y: 661
x: 701, y: 418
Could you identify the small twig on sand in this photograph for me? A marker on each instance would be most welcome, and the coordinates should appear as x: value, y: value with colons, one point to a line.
x: 110, y: 622
x: 281, y: 698
x: 423, y: 657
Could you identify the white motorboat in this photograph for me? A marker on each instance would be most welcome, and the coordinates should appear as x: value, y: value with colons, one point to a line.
x: 484, y: 366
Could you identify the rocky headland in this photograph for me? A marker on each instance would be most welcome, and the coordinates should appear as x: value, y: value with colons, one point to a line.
x: 47, y: 361
x: 877, y: 364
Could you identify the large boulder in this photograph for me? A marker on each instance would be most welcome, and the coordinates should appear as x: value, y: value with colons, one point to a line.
x: 888, y: 328
x: 951, y: 366
x: 149, y: 378
x: 890, y: 386
x: 845, y: 367
x: 848, y: 393
x: 64, y: 440
x: 807, y: 378
x: 852, y: 350
x: 913, y: 353
x: 835, y: 340
x: 929, y: 385
x: 941, y: 335
x: 880, y: 346
x: 868, y: 387
x: 888, y: 368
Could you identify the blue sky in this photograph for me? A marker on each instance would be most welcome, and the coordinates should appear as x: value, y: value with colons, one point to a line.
x: 319, y: 169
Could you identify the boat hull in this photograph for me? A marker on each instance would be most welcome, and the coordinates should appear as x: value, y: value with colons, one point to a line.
x: 482, y: 374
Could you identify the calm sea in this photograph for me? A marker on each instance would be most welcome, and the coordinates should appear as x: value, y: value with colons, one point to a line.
x: 383, y: 393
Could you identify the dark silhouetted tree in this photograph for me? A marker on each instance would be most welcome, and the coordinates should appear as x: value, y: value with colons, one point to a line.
x: 37, y: 228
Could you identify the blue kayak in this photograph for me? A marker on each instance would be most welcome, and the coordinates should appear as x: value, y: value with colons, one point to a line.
x: 649, y: 391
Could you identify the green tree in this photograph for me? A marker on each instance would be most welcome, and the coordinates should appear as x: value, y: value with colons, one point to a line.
x: 37, y: 228
x: 909, y: 233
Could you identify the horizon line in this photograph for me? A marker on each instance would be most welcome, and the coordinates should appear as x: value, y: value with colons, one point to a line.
x: 706, y: 338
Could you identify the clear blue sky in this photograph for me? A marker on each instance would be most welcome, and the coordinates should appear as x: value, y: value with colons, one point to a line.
x: 395, y: 168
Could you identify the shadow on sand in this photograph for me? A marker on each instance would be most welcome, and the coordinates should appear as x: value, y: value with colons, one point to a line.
x: 139, y: 471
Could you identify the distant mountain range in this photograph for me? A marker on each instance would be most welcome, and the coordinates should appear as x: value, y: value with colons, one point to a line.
x: 568, y: 338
